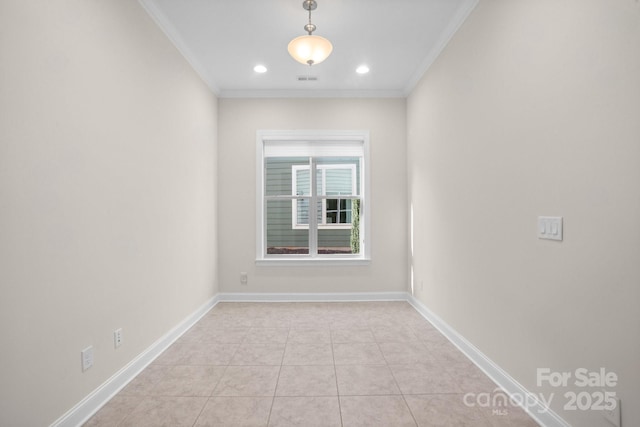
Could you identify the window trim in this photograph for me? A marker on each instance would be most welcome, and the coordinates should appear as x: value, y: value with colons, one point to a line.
x: 306, y: 137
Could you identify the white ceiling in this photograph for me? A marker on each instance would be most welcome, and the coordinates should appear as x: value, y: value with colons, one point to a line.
x: 224, y: 39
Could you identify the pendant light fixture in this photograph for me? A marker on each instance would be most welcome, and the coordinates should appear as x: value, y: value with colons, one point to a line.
x: 310, y: 49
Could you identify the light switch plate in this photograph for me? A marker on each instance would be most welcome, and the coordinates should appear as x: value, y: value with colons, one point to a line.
x: 550, y: 227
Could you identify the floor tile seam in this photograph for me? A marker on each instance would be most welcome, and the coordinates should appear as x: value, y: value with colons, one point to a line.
x: 254, y: 365
x: 335, y: 376
x: 258, y: 343
x: 235, y: 351
x: 454, y: 378
x: 382, y: 353
x: 144, y: 398
x: 309, y: 342
x: 372, y: 365
x: 326, y: 365
x: 305, y: 396
x: 370, y: 395
x: 264, y: 345
x: 482, y: 414
x: 397, y: 382
x: 335, y: 373
x: 140, y: 402
x: 196, y: 364
x: 275, y: 389
x: 415, y: 420
x: 199, y: 365
x: 243, y: 396
x: 434, y: 394
x: 386, y: 393
x: 195, y: 422
x: 151, y: 385
x: 226, y: 368
x: 398, y: 342
x: 363, y: 364
x: 152, y: 396
x: 176, y: 395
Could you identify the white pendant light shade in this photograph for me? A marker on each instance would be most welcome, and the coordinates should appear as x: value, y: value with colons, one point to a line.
x: 310, y: 49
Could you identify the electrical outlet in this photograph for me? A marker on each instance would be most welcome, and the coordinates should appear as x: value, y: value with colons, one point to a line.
x: 117, y: 338
x: 613, y: 415
x: 87, y: 358
x: 244, y: 278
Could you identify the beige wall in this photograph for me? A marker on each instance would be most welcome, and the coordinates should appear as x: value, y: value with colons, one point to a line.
x: 534, y: 109
x: 109, y: 201
x: 239, y: 119
x: 107, y: 196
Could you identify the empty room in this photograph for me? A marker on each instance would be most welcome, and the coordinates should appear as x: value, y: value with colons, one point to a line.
x: 320, y: 213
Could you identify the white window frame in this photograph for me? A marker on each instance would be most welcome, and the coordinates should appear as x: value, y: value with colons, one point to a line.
x: 307, y: 138
x: 323, y: 168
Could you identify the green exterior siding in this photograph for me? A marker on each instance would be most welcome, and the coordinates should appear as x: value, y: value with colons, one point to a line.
x: 280, y: 230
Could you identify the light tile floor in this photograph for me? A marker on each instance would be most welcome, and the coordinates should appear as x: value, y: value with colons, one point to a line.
x: 309, y: 364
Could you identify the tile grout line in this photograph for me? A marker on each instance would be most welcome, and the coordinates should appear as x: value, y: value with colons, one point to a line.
x: 335, y: 373
x: 210, y: 397
x: 395, y: 380
x: 195, y: 422
x: 275, y: 390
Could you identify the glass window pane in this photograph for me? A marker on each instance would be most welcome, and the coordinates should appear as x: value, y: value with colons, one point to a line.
x: 302, y: 211
x: 279, y: 175
x: 338, y: 182
x: 303, y: 185
x: 340, y: 240
x: 341, y: 175
x: 334, y: 241
x: 319, y: 181
x: 281, y: 238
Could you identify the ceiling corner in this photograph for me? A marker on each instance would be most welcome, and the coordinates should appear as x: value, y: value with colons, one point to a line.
x: 173, y: 35
x: 461, y: 15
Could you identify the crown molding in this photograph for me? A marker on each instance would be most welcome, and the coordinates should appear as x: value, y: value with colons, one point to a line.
x: 317, y: 93
x: 459, y: 18
x: 174, y: 37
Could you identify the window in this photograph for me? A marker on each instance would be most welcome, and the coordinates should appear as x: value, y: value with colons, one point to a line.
x: 302, y: 170
x: 332, y: 180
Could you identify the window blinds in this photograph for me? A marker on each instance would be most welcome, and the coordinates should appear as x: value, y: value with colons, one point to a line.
x: 337, y: 148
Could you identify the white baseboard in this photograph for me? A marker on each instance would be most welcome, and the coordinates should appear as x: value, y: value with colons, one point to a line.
x: 310, y: 297
x: 88, y: 406
x: 543, y: 415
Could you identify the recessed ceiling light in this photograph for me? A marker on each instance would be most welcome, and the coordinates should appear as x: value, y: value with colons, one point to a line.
x: 260, y: 69
x: 363, y: 69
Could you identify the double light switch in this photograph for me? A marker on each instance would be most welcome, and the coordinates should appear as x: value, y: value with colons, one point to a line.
x: 550, y: 227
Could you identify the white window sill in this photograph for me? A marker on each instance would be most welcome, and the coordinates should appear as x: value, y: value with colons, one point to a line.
x: 311, y: 262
